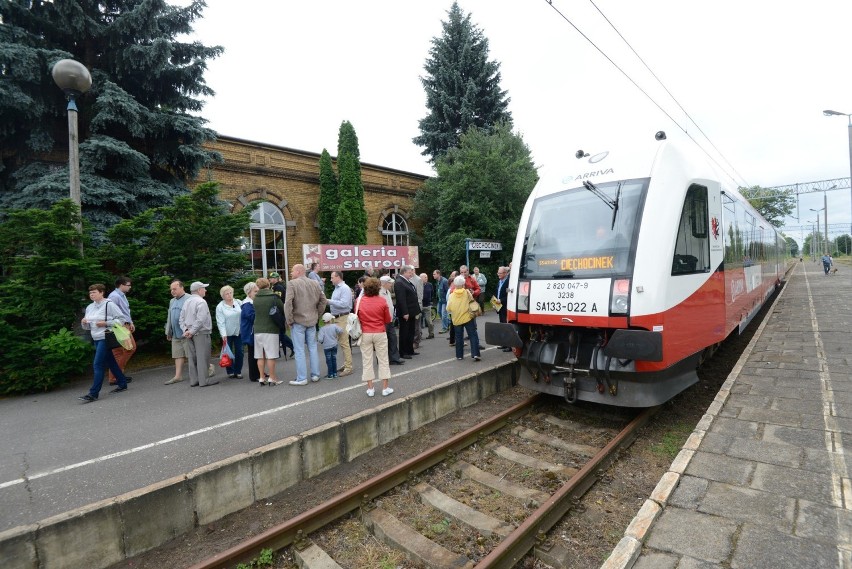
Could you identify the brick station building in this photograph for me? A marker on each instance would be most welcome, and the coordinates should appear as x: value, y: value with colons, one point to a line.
x: 286, y: 183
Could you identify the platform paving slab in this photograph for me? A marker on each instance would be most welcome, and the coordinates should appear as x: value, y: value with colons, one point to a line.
x: 767, y: 484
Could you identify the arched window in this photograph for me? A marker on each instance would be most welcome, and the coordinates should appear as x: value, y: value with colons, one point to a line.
x: 394, y: 230
x: 267, y: 241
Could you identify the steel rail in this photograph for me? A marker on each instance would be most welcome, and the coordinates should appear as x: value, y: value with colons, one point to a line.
x: 297, y: 528
x: 531, y: 532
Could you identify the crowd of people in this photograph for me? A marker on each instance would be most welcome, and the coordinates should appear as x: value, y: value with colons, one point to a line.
x: 392, y: 313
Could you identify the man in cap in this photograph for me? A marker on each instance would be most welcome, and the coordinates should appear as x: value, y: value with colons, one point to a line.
x: 197, y: 324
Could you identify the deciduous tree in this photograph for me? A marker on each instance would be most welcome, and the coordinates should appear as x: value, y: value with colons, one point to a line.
x: 479, y: 192
x: 773, y: 205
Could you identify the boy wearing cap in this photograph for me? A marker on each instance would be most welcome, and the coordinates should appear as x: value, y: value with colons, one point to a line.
x: 197, y: 324
x: 327, y: 337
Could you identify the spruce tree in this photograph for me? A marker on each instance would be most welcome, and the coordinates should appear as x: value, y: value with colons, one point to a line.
x: 139, y: 144
x: 350, y: 225
x: 328, y: 198
x: 462, y: 86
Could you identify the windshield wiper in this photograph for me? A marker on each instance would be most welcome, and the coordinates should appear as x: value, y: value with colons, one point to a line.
x: 615, y: 205
x: 611, y: 204
x: 562, y: 274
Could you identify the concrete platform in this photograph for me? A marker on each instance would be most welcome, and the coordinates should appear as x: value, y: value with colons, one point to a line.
x: 764, y: 480
x: 87, y: 485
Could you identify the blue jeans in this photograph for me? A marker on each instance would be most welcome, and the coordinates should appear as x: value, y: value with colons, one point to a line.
x: 300, y: 333
x: 331, y: 360
x: 236, y: 346
x: 472, y: 334
x: 104, y: 359
x: 445, y: 317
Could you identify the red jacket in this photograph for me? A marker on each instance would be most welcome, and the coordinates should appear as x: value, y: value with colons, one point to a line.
x: 373, y: 313
x: 473, y: 286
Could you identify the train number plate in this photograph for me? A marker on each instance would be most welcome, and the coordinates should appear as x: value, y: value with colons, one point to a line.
x: 579, y: 297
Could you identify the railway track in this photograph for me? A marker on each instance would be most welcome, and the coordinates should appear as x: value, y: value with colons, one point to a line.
x: 483, y: 498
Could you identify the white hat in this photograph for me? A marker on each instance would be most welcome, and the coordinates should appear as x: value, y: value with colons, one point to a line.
x: 327, y: 317
x: 197, y: 285
x: 386, y: 279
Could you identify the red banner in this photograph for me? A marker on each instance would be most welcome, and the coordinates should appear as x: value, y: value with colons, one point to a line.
x: 360, y: 257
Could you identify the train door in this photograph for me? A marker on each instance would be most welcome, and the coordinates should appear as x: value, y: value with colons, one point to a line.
x: 717, y: 239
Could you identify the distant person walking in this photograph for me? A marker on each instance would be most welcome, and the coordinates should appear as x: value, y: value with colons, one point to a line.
x: 119, y: 297
x: 100, y: 315
x: 826, y: 263
x: 196, y: 323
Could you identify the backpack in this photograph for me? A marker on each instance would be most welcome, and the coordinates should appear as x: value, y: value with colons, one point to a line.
x: 277, y: 316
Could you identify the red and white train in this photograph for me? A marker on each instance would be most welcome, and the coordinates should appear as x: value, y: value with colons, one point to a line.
x: 630, y: 270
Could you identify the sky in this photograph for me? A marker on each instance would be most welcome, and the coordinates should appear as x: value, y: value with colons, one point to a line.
x: 754, y: 77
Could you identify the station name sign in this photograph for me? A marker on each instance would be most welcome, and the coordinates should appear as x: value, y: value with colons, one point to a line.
x: 360, y: 257
x: 485, y: 246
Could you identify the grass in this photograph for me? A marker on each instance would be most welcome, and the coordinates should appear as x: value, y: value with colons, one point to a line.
x: 672, y: 441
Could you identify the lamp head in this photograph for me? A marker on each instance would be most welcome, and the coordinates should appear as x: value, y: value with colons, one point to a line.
x: 831, y: 113
x: 72, y: 77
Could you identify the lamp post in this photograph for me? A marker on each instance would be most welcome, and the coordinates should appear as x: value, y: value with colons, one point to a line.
x: 849, y: 116
x: 813, y: 238
x: 74, y: 80
x: 824, y: 237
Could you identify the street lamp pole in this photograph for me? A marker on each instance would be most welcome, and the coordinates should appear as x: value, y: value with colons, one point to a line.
x: 829, y: 113
x: 74, y: 79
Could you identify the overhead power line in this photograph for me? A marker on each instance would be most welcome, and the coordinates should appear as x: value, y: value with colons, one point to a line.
x: 648, y: 96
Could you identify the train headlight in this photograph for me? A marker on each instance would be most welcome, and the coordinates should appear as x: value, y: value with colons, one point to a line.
x: 620, y: 297
x: 523, y: 296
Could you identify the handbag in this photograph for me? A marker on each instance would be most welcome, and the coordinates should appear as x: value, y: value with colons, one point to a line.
x: 111, y: 339
x: 109, y: 334
x: 226, y: 356
x: 353, y: 325
x: 473, y: 306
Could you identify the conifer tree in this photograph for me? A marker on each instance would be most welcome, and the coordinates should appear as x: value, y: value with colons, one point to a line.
x: 350, y: 225
x: 462, y: 86
x: 139, y: 144
x: 328, y: 198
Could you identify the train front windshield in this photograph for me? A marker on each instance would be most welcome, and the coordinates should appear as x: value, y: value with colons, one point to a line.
x: 586, y: 231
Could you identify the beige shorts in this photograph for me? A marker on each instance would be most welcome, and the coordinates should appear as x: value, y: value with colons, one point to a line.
x: 268, y: 343
x: 178, y: 349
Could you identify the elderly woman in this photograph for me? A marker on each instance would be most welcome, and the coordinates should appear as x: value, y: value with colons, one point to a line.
x: 266, y: 343
x: 100, y: 315
x: 228, y: 315
x: 247, y: 328
x: 373, y: 312
x: 458, y: 307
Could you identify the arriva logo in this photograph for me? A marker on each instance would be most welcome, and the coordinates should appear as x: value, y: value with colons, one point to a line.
x: 593, y: 174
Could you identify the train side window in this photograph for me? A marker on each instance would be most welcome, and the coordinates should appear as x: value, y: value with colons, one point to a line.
x: 692, y: 245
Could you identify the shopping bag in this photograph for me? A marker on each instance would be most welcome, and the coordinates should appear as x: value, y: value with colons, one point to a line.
x: 122, y: 334
x: 226, y: 357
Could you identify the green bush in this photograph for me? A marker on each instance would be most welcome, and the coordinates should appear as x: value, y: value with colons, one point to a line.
x: 50, y: 362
